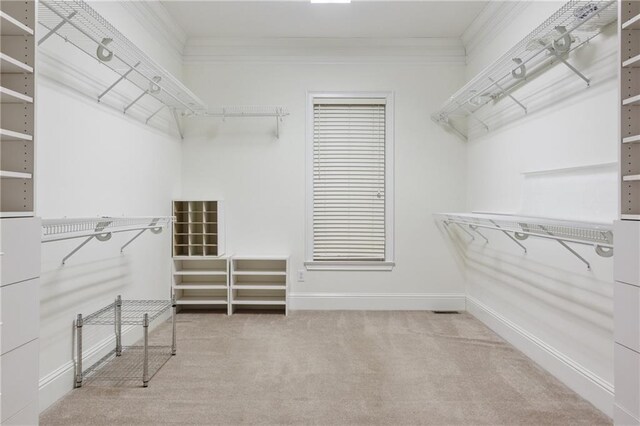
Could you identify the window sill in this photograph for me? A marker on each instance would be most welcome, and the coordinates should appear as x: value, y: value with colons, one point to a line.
x: 349, y: 266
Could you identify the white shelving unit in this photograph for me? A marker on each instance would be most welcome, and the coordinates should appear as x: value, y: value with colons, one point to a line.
x: 17, y: 92
x: 259, y: 282
x: 201, y: 281
x: 19, y: 229
x: 198, y: 229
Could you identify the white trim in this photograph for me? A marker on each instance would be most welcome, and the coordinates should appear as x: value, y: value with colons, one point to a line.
x: 377, y: 301
x: 584, y: 382
x: 349, y: 266
x: 321, y: 50
x: 493, y: 19
x: 389, y: 181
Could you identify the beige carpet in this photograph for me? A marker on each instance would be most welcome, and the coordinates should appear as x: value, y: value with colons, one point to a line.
x: 334, y: 368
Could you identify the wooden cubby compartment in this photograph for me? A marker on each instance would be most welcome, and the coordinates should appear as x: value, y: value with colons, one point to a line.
x: 198, y: 228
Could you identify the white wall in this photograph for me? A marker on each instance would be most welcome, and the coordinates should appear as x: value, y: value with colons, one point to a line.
x: 559, y: 161
x: 262, y: 179
x: 94, y: 161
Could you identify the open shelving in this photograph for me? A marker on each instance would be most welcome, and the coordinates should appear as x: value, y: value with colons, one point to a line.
x: 259, y: 282
x: 552, y: 42
x: 201, y: 281
x: 519, y: 228
x: 17, y: 90
x: 198, y: 229
x: 83, y: 27
x: 630, y: 110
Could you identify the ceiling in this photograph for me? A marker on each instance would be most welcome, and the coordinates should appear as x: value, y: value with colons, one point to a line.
x: 360, y: 19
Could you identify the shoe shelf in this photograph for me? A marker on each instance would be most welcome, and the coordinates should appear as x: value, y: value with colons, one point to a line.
x: 198, y: 230
x: 201, y: 281
x: 259, y: 282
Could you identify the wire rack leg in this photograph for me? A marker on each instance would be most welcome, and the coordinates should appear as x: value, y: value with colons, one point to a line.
x: 173, y: 325
x: 145, y: 362
x: 118, y: 324
x: 78, y: 381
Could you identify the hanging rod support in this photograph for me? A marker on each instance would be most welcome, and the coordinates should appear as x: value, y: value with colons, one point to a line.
x: 510, y: 236
x: 99, y: 236
x: 471, y: 114
x: 122, y: 77
x: 558, y: 55
x: 131, y: 240
x: 475, y: 229
x: 153, y: 230
x: 56, y: 28
x: 473, y: 238
x: 504, y: 92
x: 64, y: 259
x: 135, y: 100
x: 565, y: 245
x: 177, y: 120
x: 154, y: 114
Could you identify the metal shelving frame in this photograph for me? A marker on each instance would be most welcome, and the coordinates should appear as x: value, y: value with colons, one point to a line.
x: 126, y: 362
x: 80, y: 25
x: 249, y: 111
x: 568, y: 29
x: 100, y: 228
x: 519, y: 228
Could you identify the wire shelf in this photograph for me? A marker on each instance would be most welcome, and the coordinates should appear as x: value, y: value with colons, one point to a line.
x: 519, y: 228
x: 67, y: 228
x: 247, y: 111
x: 568, y: 29
x: 132, y: 312
x: 79, y: 24
x: 129, y: 365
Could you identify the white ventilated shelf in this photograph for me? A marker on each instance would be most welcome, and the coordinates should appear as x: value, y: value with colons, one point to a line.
x: 259, y: 300
x: 632, y: 24
x: 14, y: 175
x: 69, y: 228
x: 634, y: 100
x: 576, y: 21
x: 10, y: 65
x: 201, y: 300
x: 631, y: 178
x: 10, y: 26
x: 10, y: 135
x: 8, y: 96
x: 89, y: 31
x: 631, y: 139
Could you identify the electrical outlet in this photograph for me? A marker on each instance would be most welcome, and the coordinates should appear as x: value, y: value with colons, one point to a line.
x: 301, y: 275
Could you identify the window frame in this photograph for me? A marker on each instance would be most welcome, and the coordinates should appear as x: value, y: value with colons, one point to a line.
x: 356, y: 265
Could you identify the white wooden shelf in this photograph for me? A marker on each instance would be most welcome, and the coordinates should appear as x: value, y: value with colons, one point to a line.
x: 632, y: 24
x: 199, y: 286
x: 631, y: 139
x: 633, y: 100
x: 631, y: 178
x: 8, y: 96
x: 201, y: 300
x: 10, y: 135
x: 630, y: 216
x: 9, y: 65
x: 258, y: 273
x: 259, y: 286
x: 10, y: 26
x: 259, y: 300
x: 16, y: 214
x: 207, y: 272
x: 632, y: 62
x: 14, y: 175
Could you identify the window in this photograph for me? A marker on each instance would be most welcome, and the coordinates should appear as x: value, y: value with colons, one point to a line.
x: 349, y: 181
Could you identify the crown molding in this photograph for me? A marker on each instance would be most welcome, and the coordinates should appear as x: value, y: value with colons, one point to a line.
x: 157, y: 20
x: 493, y: 19
x: 325, y: 50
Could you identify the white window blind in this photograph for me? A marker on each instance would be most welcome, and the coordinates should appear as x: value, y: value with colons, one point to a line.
x: 349, y: 179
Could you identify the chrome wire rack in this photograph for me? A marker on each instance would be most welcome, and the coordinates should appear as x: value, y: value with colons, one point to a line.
x: 100, y: 228
x: 568, y: 29
x: 519, y: 228
x: 131, y: 312
x: 138, y: 362
x: 80, y: 25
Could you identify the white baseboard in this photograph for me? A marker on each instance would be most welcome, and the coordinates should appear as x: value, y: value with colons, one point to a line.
x: 585, y: 383
x: 377, y: 301
x: 60, y: 381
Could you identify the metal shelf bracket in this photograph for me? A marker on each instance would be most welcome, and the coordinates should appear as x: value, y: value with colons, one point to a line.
x: 99, y: 236
x: 153, y: 231
x: 510, y: 236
